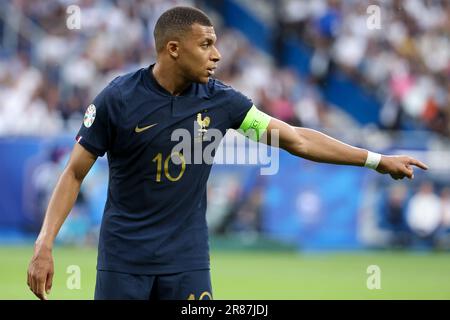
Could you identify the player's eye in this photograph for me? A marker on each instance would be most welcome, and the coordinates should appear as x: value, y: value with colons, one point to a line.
x: 205, y: 45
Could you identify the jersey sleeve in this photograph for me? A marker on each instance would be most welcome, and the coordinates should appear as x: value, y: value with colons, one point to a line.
x: 239, y: 107
x: 97, y: 131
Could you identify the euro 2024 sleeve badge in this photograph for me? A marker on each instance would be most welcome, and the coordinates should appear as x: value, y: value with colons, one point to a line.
x: 89, y: 116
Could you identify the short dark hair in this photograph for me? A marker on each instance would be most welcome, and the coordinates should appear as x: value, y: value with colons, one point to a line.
x: 176, y: 21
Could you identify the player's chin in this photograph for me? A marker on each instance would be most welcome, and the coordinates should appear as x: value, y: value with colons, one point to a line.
x: 203, y: 79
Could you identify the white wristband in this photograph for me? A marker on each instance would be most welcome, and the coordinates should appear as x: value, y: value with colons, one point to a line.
x: 373, y: 159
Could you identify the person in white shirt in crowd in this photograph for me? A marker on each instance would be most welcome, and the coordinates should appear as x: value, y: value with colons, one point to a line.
x: 424, y: 213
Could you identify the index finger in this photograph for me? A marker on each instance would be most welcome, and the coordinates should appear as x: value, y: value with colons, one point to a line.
x: 418, y: 164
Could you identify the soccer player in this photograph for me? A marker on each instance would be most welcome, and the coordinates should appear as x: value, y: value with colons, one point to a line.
x: 153, y: 240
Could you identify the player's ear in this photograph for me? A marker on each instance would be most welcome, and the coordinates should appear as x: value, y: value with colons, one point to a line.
x: 173, y: 48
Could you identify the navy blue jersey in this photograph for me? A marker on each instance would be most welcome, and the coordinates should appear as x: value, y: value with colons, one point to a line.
x: 154, y: 218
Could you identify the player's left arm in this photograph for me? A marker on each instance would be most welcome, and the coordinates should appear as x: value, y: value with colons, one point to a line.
x: 316, y: 146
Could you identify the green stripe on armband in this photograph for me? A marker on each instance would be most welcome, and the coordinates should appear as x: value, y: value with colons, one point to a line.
x: 255, y: 123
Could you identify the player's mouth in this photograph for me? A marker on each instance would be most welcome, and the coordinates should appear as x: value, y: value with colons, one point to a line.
x: 211, y: 71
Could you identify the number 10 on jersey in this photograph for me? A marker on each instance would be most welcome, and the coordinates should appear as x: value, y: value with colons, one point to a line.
x: 159, y: 161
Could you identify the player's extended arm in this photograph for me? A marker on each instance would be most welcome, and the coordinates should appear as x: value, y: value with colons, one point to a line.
x: 40, y: 270
x: 316, y: 146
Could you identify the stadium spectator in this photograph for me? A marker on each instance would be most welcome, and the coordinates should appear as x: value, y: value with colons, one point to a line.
x: 396, y: 203
x: 424, y: 213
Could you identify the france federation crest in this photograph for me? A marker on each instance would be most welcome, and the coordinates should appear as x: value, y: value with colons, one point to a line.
x: 203, y: 126
x: 89, y: 116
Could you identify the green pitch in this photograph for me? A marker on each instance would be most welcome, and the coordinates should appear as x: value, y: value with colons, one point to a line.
x: 262, y: 275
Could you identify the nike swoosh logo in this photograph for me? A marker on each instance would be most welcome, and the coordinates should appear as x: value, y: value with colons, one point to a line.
x: 139, y: 130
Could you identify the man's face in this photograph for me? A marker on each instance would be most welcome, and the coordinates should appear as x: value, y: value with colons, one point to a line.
x: 198, y: 55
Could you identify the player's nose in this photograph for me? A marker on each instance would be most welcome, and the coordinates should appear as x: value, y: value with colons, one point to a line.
x: 215, y: 55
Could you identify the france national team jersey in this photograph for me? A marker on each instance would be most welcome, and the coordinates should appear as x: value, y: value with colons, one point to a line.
x: 154, y: 218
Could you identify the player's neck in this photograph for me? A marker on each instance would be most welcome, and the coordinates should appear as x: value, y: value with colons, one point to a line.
x: 168, y: 78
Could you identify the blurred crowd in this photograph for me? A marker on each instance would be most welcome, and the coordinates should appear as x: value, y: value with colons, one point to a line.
x: 47, y: 83
x: 290, y: 98
x: 398, y: 49
x: 423, y: 216
x: 54, y: 71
